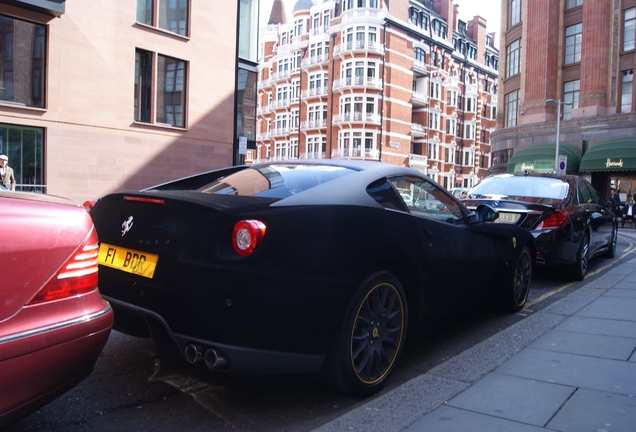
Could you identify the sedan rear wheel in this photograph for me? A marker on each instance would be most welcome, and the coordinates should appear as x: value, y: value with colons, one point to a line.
x: 579, y: 269
x: 521, y: 281
x: 371, y: 336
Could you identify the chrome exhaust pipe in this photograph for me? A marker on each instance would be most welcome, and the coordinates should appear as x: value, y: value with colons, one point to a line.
x: 192, y: 354
x: 213, y: 360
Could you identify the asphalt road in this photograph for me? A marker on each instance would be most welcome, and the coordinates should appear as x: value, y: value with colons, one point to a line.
x: 135, y: 387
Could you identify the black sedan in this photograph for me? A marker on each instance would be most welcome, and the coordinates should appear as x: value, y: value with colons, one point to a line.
x: 302, y: 266
x: 570, y: 221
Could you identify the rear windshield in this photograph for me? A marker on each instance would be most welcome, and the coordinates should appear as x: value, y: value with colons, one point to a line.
x: 520, y: 186
x: 275, y: 181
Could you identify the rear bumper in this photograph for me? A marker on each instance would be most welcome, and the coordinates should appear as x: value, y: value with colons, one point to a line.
x: 554, y: 249
x: 38, y: 365
x: 240, y: 360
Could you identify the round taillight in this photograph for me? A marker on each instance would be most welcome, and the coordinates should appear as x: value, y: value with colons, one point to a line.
x: 247, y: 235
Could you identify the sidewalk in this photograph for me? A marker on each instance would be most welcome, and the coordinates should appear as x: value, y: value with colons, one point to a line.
x: 570, y: 367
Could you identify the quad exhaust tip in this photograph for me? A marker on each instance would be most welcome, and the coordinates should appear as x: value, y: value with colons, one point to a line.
x: 211, y: 357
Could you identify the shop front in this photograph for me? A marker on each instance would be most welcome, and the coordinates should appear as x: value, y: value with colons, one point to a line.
x: 540, y: 158
x: 612, y: 164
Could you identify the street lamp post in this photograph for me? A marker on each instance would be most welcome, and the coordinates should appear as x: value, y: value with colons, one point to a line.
x: 558, y: 131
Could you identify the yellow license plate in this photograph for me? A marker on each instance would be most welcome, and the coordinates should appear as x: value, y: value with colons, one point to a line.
x: 128, y: 260
x: 507, y: 218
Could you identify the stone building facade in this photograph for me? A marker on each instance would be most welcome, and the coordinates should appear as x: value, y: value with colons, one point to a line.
x: 103, y: 95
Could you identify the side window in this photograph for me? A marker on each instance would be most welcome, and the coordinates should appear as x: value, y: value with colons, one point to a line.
x: 423, y: 198
x: 594, y: 196
x: 385, y: 195
x: 585, y: 197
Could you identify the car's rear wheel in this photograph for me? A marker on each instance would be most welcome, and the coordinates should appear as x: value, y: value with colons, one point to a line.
x: 611, y: 248
x: 579, y: 269
x: 370, y: 338
x: 518, y: 295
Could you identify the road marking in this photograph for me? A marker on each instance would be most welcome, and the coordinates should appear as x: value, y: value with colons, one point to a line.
x: 203, y: 393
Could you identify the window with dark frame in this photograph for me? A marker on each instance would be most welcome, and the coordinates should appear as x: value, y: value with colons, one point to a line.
x: 170, y: 91
x: 627, y: 91
x: 162, y: 88
x: 573, y: 43
x: 514, y: 12
x: 168, y: 15
x: 629, y: 29
x: 143, y: 86
x: 513, y: 58
x: 571, y: 91
x: 23, y: 47
x: 24, y: 146
x: 511, y: 106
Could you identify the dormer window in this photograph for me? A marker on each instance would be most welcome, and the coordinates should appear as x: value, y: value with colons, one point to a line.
x: 439, y: 28
x: 418, y: 18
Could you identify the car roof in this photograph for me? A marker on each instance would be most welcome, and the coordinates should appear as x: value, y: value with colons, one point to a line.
x: 381, y: 168
x: 541, y: 175
x: 347, y: 190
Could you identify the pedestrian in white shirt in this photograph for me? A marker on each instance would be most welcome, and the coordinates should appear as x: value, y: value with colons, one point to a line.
x: 628, y: 213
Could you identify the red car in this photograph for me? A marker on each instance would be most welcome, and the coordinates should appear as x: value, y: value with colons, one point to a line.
x: 53, y: 320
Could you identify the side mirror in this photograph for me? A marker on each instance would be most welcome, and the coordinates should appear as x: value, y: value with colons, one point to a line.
x: 485, y: 213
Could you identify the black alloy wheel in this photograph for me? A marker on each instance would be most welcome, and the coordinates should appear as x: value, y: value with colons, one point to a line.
x: 371, y: 337
x: 521, y: 281
x: 611, y: 247
x: 579, y: 269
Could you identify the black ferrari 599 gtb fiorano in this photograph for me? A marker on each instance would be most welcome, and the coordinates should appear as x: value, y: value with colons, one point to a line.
x: 303, y: 266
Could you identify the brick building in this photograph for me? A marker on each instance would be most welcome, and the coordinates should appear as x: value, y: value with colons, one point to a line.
x: 102, y: 95
x: 577, y: 58
x: 404, y: 82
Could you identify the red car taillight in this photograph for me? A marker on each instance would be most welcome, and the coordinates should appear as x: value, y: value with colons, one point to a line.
x: 247, y: 235
x: 77, y: 276
x: 555, y: 221
x: 88, y: 205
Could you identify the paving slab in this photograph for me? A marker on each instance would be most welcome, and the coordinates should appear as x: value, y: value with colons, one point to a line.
x: 621, y: 292
x: 603, y: 346
x: 594, y: 373
x: 449, y: 419
x: 519, y: 399
x: 629, y: 278
x: 611, y: 308
x: 593, y: 411
x: 599, y: 326
x: 624, y: 284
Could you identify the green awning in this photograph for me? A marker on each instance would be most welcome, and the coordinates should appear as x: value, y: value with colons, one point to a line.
x: 612, y: 155
x: 540, y: 158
